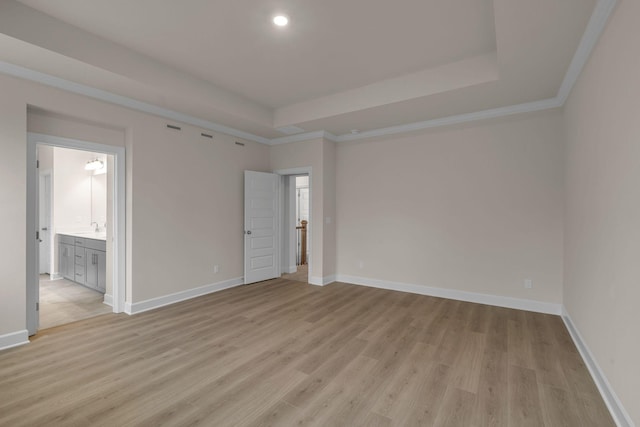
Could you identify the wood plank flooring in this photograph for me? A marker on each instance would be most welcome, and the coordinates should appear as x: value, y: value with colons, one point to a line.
x: 62, y: 301
x: 301, y: 275
x: 283, y: 353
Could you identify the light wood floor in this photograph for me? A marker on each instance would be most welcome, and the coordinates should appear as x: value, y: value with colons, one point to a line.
x: 280, y: 353
x: 301, y: 275
x: 62, y: 301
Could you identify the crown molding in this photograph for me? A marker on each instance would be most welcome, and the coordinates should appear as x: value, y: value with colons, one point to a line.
x: 528, y: 107
x: 123, y: 101
x: 304, y: 137
x: 595, y: 27
x: 597, y: 23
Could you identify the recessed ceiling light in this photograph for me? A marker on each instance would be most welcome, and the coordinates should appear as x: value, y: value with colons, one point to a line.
x: 281, y: 20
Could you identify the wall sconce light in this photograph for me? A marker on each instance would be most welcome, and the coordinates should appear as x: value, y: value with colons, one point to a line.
x: 94, y: 165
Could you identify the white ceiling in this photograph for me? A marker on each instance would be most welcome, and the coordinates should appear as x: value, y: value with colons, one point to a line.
x: 340, y: 65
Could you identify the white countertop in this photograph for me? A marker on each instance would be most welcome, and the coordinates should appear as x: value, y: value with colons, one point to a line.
x: 101, y: 235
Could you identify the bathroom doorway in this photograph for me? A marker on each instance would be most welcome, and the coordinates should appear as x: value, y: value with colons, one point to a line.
x: 76, y: 205
x: 74, y: 200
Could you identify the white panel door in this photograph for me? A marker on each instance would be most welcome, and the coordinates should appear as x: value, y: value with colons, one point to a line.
x: 45, y: 223
x: 260, y: 226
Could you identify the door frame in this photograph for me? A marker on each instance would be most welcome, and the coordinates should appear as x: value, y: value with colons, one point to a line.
x: 42, y: 176
x: 119, y: 219
x: 284, y: 230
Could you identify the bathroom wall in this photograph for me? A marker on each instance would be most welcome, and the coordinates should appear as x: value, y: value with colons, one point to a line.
x: 72, y: 199
x: 99, y: 199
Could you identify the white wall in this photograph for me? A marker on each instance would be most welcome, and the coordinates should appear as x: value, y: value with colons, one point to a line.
x: 13, y: 223
x: 71, y: 190
x: 184, y: 194
x: 329, y: 159
x: 49, y: 123
x: 476, y: 208
x: 45, y: 156
x: 320, y: 155
x: 602, y: 270
x: 99, y: 188
x: 298, y: 155
x: 188, y: 208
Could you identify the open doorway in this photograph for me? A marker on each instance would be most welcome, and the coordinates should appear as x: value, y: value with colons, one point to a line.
x: 297, y: 226
x: 75, y: 192
x: 74, y: 200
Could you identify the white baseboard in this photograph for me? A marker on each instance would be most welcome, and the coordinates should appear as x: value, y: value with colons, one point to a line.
x: 108, y: 300
x: 150, y: 304
x: 14, y: 339
x: 292, y: 269
x: 55, y: 276
x: 322, y: 281
x: 617, y: 410
x: 328, y: 279
x: 500, y: 301
x: 313, y: 280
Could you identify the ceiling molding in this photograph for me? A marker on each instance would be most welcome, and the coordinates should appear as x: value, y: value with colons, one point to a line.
x: 595, y: 27
x: 304, y: 137
x: 528, y: 107
x: 290, y: 130
x: 123, y: 101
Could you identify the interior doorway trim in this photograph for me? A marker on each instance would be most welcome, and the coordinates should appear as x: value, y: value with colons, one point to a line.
x: 119, y: 200
x: 45, y: 195
x: 307, y: 170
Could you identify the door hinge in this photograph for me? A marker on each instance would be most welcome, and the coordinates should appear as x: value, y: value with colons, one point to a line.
x: 37, y: 235
x: 37, y: 164
x: 37, y: 306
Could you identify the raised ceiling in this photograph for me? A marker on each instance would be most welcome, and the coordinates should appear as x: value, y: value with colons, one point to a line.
x: 340, y: 65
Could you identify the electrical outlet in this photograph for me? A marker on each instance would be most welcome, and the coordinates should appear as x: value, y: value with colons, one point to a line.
x: 216, y: 269
x: 360, y: 265
x: 528, y: 283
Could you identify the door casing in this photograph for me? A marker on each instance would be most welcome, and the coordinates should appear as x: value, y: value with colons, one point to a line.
x: 44, y: 209
x: 119, y: 218
x: 284, y: 229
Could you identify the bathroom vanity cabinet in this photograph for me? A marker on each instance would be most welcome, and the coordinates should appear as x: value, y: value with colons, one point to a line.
x: 83, y: 260
x: 66, y: 253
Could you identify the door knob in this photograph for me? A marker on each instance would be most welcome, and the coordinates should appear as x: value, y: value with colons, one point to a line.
x: 249, y: 232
